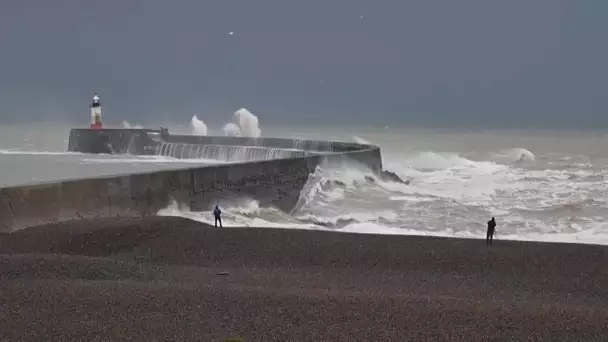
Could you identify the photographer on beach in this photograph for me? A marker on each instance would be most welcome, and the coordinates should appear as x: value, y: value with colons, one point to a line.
x: 218, y: 215
x: 491, y: 231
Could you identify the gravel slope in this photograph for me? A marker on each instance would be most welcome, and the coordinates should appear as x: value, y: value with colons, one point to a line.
x: 166, y: 278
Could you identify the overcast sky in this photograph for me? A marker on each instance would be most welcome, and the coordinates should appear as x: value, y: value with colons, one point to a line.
x: 514, y: 62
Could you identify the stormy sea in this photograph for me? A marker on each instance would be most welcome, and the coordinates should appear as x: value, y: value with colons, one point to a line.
x: 540, y: 185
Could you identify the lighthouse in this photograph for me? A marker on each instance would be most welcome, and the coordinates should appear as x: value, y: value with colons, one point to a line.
x: 95, y: 109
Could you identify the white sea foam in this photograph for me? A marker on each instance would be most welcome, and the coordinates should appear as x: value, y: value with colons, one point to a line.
x: 233, y: 217
x: 449, y: 195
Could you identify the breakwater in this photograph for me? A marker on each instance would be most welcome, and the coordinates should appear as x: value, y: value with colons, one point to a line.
x: 273, y: 179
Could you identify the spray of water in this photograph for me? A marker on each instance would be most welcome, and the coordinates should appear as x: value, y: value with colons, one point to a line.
x: 232, y: 130
x: 360, y: 140
x: 244, y: 124
x: 126, y: 124
x: 198, y: 126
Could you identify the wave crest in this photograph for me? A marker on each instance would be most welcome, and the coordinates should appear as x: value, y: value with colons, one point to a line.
x: 513, y: 155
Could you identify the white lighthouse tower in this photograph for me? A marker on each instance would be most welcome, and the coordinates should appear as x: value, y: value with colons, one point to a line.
x: 95, y: 109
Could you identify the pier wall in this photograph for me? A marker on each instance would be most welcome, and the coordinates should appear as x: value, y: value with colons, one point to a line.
x: 276, y: 182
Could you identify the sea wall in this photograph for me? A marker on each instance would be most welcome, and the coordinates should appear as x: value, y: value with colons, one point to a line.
x: 272, y: 182
x: 110, y: 140
x: 144, y: 141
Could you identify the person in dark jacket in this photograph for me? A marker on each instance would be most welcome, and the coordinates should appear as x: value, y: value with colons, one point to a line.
x: 218, y: 215
x: 491, y: 230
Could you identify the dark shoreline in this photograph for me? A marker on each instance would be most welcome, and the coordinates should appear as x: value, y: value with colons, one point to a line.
x: 172, y: 278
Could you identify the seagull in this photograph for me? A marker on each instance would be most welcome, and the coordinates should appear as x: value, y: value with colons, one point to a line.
x: 231, y: 33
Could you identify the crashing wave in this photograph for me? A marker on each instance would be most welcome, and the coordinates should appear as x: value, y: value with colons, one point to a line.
x: 244, y: 124
x: 512, y: 155
x: 198, y: 126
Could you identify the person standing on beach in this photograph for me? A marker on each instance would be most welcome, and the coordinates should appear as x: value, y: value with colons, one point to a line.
x: 218, y: 215
x: 491, y: 230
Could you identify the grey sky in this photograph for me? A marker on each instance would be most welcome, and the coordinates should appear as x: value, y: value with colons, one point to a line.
x: 514, y: 62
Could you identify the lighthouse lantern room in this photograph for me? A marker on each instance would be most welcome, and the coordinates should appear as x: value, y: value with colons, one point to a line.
x: 95, y: 108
